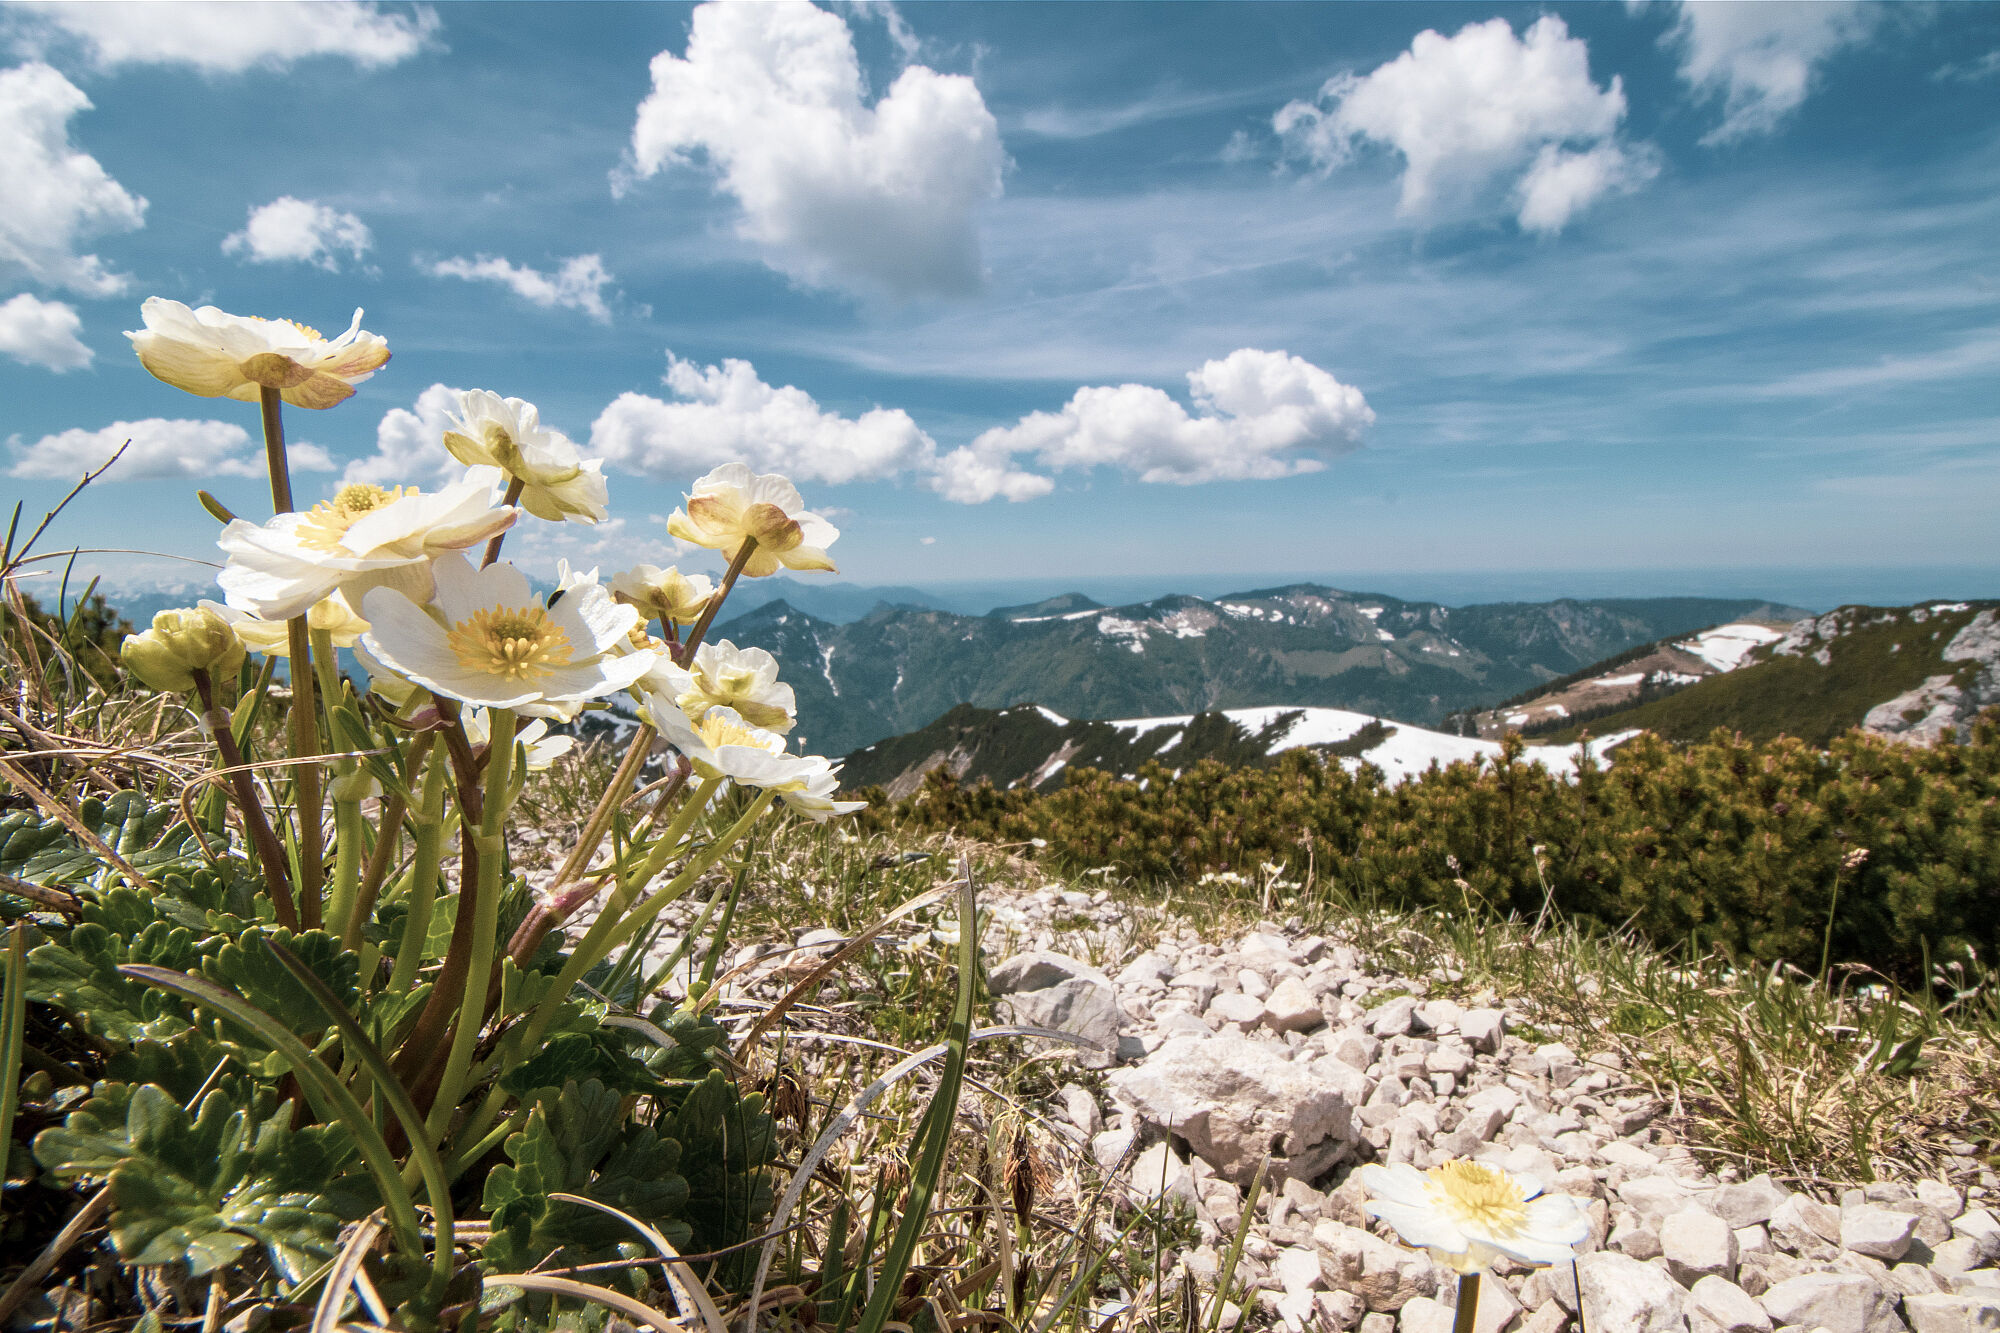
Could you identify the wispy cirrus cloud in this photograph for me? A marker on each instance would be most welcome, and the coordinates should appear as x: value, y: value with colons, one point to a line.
x: 577, y: 283
x: 1761, y: 60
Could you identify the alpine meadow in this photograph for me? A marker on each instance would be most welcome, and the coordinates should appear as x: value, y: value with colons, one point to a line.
x: 773, y: 666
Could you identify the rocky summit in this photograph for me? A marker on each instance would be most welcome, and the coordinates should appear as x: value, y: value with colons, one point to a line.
x: 1294, y: 1050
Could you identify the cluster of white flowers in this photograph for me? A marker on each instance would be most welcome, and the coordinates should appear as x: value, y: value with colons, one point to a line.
x: 384, y: 569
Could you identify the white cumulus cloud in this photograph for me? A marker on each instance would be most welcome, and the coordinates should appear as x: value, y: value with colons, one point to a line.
x: 1258, y: 416
x: 1759, y: 58
x: 217, y: 37
x: 409, y: 443
x: 978, y: 473
x: 56, y: 195
x: 42, y: 333
x: 577, y: 285
x: 726, y: 413
x: 160, y: 449
x: 833, y: 190
x: 1475, y: 109
x: 299, y: 231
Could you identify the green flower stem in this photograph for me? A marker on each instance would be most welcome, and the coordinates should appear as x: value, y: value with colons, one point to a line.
x: 596, y: 940
x: 602, y: 938
x: 684, y: 652
x: 422, y: 879
x: 305, y: 723
x: 1468, y: 1303
x: 277, y: 873
x: 594, y: 827
x: 640, y: 917
x: 492, y: 843
x: 349, y: 833
x: 349, y: 841
x: 388, y: 837
x: 515, y: 485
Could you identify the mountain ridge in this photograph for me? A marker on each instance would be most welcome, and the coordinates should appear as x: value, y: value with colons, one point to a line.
x: 896, y: 669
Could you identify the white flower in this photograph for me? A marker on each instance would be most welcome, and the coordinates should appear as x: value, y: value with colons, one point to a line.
x: 330, y: 615
x: 567, y: 578
x: 1468, y: 1214
x: 494, y: 643
x: 394, y: 690
x: 732, y: 503
x: 719, y: 743
x: 507, y: 433
x: 813, y: 796
x: 363, y: 538
x: 541, y: 748
x: 217, y: 355
x: 663, y: 594
x: 725, y: 676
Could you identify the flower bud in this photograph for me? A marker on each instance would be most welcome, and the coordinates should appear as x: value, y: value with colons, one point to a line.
x: 179, y: 644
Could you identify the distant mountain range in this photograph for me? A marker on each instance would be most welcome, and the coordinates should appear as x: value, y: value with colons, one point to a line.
x: 1912, y: 672
x: 898, y: 668
x: 1030, y: 746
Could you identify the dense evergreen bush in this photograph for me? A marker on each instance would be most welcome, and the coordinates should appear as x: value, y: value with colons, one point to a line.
x: 1869, y: 851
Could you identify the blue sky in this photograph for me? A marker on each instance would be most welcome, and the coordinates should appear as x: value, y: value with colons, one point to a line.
x: 1054, y: 291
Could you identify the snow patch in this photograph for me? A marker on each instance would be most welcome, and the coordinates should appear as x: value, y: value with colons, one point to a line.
x: 1052, y: 715
x: 1725, y: 646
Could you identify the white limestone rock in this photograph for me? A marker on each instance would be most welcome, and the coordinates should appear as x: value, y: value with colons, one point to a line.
x: 1715, y: 1305
x: 1237, y: 1102
x: 1698, y: 1244
x: 1385, y: 1276
x: 1877, y: 1232
x: 1837, y: 1302
x: 1623, y: 1293
x: 1952, y: 1314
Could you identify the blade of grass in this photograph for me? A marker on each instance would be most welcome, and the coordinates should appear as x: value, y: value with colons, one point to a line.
x: 333, y: 1101
x: 13, y: 1034
x: 688, y: 1291
x: 583, y: 1291
x: 935, y: 1132
x: 1243, y: 1222
x: 391, y: 1090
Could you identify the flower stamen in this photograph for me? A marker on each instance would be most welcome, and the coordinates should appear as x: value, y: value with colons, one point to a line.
x: 327, y: 523
x: 1479, y: 1196
x: 515, y: 645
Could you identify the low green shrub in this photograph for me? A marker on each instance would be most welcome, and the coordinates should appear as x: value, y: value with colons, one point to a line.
x: 1869, y: 851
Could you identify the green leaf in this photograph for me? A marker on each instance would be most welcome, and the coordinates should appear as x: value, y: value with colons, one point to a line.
x: 247, y: 967
x: 726, y: 1141
x: 576, y: 1141
x: 44, y: 852
x: 201, y: 1190
x: 81, y: 974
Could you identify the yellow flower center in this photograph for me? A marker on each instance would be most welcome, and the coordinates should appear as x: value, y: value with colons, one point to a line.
x: 717, y: 730
x: 1478, y: 1197
x: 306, y: 329
x: 515, y: 645
x: 327, y: 523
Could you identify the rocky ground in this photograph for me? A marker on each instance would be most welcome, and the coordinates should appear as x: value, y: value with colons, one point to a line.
x: 1292, y: 1047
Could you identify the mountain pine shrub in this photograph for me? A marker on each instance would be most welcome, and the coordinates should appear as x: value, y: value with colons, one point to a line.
x: 1869, y: 851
